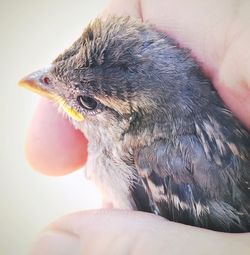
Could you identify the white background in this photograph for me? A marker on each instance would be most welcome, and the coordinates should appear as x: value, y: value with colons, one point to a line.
x: 32, y: 34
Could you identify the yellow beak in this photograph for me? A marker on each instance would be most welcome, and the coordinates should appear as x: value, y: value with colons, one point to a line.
x: 32, y: 82
x: 32, y: 86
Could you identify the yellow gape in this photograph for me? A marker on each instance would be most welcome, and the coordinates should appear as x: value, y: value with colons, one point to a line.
x: 32, y: 86
x: 69, y: 110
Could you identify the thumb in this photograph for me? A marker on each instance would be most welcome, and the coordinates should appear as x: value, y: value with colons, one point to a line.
x: 54, y: 146
x: 130, y: 232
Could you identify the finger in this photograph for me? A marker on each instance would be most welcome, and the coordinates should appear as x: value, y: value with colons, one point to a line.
x: 129, y: 232
x: 53, y: 146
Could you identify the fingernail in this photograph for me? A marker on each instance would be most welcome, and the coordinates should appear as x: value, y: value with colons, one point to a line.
x: 57, y: 243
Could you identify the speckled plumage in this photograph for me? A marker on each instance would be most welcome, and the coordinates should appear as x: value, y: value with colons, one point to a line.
x: 160, y: 139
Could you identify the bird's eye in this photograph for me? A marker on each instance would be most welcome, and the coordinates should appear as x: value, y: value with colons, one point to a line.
x: 86, y: 102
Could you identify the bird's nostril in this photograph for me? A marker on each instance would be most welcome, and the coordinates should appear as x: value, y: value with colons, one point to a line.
x: 46, y: 80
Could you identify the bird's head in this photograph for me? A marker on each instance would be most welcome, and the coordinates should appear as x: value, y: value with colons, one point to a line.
x: 110, y: 77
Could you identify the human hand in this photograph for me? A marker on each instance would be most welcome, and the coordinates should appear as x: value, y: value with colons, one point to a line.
x: 118, y: 232
x: 219, y: 40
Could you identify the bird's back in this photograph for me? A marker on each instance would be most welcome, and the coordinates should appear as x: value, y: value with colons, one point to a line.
x: 199, y: 174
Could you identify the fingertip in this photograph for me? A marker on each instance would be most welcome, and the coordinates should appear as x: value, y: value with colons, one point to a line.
x: 53, y: 146
x: 237, y: 99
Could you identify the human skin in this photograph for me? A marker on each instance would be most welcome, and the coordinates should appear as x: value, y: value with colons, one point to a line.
x: 217, y: 32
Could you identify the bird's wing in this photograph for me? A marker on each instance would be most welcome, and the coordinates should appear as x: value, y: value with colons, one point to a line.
x: 184, y: 185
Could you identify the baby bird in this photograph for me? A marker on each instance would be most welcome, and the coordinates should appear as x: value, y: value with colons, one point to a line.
x: 160, y: 138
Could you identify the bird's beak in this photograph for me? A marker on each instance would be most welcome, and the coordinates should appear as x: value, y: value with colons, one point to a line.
x: 36, y: 82
x: 39, y: 83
